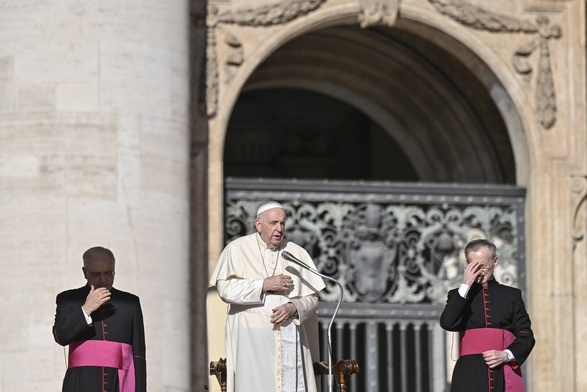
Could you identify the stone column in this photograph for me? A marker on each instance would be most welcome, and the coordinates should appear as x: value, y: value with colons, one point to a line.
x: 94, y: 150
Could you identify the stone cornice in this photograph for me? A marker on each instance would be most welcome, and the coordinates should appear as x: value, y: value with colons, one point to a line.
x: 270, y: 14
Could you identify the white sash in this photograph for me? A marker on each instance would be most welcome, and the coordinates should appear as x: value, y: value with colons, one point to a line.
x: 292, y: 373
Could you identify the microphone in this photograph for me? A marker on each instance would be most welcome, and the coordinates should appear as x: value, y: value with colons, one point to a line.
x: 288, y: 256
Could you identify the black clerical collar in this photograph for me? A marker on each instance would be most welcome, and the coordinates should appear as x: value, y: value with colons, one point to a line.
x: 491, y: 282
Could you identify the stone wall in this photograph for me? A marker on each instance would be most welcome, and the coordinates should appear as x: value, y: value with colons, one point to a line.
x: 94, y: 150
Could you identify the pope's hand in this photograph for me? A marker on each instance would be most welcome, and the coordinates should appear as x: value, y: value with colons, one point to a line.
x: 278, y: 284
x: 282, y: 313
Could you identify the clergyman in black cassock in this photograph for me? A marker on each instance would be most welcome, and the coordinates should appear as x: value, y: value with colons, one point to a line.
x: 485, y: 308
x: 115, y: 319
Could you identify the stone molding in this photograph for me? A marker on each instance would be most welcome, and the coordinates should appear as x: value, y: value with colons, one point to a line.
x: 209, y: 77
x: 385, y: 13
x: 481, y: 19
x: 270, y: 14
x: 579, y: 196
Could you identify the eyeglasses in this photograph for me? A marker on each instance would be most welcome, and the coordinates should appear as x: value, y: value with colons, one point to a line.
x: 106, y: 274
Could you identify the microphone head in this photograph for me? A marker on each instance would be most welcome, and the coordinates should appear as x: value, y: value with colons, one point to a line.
x: 288, y: 256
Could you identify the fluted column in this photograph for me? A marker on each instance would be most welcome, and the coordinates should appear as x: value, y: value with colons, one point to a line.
x: 94, y: 150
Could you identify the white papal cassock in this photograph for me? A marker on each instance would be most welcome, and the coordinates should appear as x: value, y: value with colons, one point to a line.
x: 260, y: 356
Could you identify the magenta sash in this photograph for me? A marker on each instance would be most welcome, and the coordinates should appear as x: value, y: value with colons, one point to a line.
x: 479, y: 340
x: 105, y: 354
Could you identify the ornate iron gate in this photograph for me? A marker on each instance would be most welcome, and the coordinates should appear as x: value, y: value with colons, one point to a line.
x: 397, y: 250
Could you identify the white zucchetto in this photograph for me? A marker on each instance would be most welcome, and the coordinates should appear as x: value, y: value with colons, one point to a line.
x: 268, y: 206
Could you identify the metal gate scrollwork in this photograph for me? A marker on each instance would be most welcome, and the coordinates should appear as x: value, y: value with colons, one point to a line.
x: 388, y: 252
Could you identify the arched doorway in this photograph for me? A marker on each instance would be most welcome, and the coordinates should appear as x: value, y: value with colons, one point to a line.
x: 379, y: 105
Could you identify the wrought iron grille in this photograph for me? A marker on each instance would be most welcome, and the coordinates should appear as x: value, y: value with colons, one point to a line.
x: 397, y: 250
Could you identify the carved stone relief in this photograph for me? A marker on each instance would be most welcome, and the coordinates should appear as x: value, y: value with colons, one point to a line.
x: 264, y: 15
x: 579, y: 195
x: 482, y: 19
x: 210, y: 77
x: 378, y: 12
x: 270, y: 14
x: 385, y: 12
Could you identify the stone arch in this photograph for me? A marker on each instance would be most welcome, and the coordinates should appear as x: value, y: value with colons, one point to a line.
x: 497, y: 79
x: 415, y: 100
x: 472, y: 54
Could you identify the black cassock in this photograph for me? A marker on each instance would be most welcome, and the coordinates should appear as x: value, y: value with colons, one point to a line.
x: 118, y: 320
x: 496, y: 306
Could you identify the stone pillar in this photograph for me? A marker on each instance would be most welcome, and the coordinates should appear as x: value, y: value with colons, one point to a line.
x: 94, y: 150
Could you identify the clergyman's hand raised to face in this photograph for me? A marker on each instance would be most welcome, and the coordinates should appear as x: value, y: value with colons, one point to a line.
x: 95, y: 299
x: 472, y: 272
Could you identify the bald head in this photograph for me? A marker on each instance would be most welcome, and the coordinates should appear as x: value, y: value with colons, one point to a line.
x: 97, y: 252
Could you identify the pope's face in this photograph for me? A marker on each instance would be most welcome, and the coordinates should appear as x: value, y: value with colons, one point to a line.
x: 271, y: 226
x: 486, y: 262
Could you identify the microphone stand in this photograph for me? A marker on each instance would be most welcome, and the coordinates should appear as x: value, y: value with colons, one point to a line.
x: 288, y: 256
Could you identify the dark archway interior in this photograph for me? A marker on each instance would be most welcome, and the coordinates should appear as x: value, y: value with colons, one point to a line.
x: 285, y: 132
x: 375, y: 104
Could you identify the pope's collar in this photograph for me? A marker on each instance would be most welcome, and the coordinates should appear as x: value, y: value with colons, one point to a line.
x: 263, y: 245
